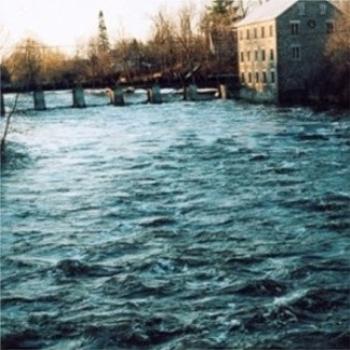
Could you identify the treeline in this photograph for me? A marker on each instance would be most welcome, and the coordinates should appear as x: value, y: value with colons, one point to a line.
x: 180, y: 43
x: 193, y: 39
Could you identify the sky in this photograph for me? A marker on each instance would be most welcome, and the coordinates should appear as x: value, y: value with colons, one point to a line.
x: 66, y: 22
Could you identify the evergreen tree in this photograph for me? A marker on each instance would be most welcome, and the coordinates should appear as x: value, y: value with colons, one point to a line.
x: 221, y: 7
x: 103, y: 42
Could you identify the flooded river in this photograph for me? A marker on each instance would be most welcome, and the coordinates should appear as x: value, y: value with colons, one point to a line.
x: 185, y: 225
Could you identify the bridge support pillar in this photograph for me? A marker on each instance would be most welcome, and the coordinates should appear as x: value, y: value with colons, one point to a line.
x: 223, y: 93
x: 78, y: 97
x: 118, y: 96
x: 191, y: 93
x: 2, y: 104
x: 39, y: 100
x: 154, y: 95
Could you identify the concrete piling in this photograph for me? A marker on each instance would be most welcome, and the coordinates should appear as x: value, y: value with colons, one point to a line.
x: 223, y: 92
x: 39, y: 100
x: 110, y: 94
x: 78, y: 97
x: 2, y: 104
x: 191, y: 93
x: 149, y: 95
x: 154, y: 95
x: 118, y: 96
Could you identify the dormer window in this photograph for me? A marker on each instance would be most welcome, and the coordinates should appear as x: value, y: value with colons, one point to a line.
x: 301, y: 8
x: 323, y: 9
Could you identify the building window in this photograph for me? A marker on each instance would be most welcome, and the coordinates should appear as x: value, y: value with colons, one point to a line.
x: 264, y: 75
x: 256, y: 55
x: 330, y: 27
x: 255, y: 33
x: 257, y: 77
x: 272, y: 54
x: 248, y: 34
x: 248, y: 56
x: 323, y: 9
x: 263, y: 32
x: 242, y: 78
x: 242, y: 56
x: 296, y: 53
x: 263, y: 55
x: 241, y: 34
x: 294, y: 27
x: 301, y: 8
x: 273, y: 77
x: 249, y: 77
x: 311, y: 23
x: 271, y: 30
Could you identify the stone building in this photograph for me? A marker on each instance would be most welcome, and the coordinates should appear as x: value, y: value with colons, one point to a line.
x: 280, y: 45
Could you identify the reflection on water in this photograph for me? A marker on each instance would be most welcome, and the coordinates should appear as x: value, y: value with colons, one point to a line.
x: 177, y: 226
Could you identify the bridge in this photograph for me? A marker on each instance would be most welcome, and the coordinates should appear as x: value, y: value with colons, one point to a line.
x: 191, y: 87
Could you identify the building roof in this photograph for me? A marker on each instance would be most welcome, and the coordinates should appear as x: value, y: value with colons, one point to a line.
x: 269, y: 10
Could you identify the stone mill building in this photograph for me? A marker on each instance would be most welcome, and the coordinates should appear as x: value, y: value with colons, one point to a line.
x: 280, y: 46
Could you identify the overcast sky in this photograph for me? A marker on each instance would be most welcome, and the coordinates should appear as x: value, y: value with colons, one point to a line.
x: 64, y: 22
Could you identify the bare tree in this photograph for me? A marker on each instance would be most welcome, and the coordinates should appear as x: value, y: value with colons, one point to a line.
x: 25, y: 62
x: 187, y: 36
x: 338, y: 53
x: 163, y: 42
x: 344, y: 5
x: 4, y: 35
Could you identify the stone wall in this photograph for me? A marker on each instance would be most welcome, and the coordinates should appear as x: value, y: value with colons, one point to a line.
x: 257, y: 51
x: 298, y: 76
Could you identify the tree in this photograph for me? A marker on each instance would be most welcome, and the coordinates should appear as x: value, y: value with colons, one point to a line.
x: 25, y: 62
x: 163, y: 42
x: 344, y: 5
x: 32, y: 64
x: 4, y: 35
x: 338, y: 54
x: 103, y: 42
x: 220, y: 7
x: 53, y: 65
x: 5, y: 76
x: 217, y: 24
x: 186, y: 37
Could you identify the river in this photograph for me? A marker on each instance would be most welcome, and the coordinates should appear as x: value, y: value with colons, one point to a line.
x: 208, y: 225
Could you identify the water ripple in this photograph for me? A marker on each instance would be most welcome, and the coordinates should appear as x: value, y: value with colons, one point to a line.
x: 185, y: 225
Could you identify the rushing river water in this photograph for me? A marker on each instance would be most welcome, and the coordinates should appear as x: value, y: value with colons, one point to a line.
x: 177, y: 226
